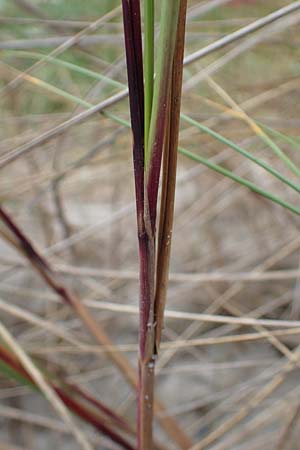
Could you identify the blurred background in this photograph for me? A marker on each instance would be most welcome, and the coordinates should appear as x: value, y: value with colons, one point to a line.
x: 235, y: 253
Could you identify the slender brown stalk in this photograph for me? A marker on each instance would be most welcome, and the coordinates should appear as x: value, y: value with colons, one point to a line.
x: 147, y: 173
x: 134, y: 56
x: 169, y: 177
x: 165, y: 142
x: 100, y: 406
x: 91, y: 418
x: 42, y: 266
x: 147, y: 346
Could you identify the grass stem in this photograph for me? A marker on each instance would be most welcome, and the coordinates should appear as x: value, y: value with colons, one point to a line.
x: 148, y: 63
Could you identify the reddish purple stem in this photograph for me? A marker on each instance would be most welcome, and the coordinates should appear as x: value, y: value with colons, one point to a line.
x: 71, y: 403
x: 134, y: 56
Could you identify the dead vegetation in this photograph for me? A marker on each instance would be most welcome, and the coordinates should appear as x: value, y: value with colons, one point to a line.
x: 223, y: 380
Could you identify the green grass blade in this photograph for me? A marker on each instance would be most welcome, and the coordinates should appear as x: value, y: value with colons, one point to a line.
x: 9, y: 372
x: 240, y: 150
x: 148, y: 64
x: 292, y: 141
x: 187, y: 153
x: 163, y: 70
x: 277, y: 150
x: 227, y: 173
x: 74, y: 99
x: 62, y: 63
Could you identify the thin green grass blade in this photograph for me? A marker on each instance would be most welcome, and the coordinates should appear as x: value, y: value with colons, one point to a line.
x: 55, y: 90
x: 240, y: 150
x: 9, y: 372
x: 163, y: 69
x: 72, y: 404
x: 76, y: 100
x: 238, y: 179
x: 148, y: 64
x: 284, y: 158
x: 168, y: 184
x: 160, y: 105
x: 187, y: 153
x: 292, y: 141
x: 62, y: 63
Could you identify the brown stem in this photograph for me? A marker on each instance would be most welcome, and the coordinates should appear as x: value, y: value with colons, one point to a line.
x: 146, y: 337
x: 152, y: 303
x: 145, y: 406
x: 169, y: 177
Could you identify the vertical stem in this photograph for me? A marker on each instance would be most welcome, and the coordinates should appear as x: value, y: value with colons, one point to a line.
x: 148, y: 107
x: 134, y: 57
x: 146, y: 338
x: 133, y: 39
x: 159, y: 136
x: 161, y: 91
x: 169, y: 177
x: 148, y: 64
